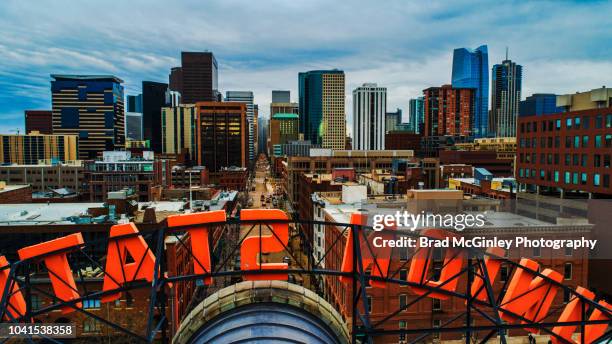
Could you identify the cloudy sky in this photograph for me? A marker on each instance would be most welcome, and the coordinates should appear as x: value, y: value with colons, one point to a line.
x: 564, y: 46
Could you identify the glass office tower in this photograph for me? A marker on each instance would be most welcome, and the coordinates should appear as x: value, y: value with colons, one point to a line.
x: 471, y: 70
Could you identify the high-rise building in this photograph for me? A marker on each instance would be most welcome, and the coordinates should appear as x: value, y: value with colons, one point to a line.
x: 471, y: 70
x: 321, y: 108
x: 133, y: 126
x: 262, y: 135
x: 449, y: 111
x: 222, y: 135
x: 36, y: 147
x: 505, y: 97
x: 369, y: 111
x: 416, y: 114
x: 39, y: 120
x: 539, y: 104
x: 284, y: 127
x: 153, y: 100
x: 134, y: 103
x: 178, y: 129
x: 281, y: 96
x: 197, y: 79
x: 247, y: 98
x: 91, y: 107
x: 393, y: 120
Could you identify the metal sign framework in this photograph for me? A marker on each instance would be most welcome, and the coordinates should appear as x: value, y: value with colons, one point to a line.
x: 362, y: 328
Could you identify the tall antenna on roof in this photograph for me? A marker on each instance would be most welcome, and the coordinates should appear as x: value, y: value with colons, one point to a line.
x: 506, y: 52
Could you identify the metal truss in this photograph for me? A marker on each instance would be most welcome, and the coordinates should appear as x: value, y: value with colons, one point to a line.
x: 228, y: 239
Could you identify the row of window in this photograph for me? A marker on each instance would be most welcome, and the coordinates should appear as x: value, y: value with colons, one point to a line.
x: 575, y: 159
x: 575, y: 122
x: 576, y: 141
x: 575, y: 178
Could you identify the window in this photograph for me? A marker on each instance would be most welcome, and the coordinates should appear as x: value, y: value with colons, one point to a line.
x: 598, y: 141
x: 403, y: 253
x: 402, y: 326
x: 567, y: 271
x: 606, y: 161
x: 576, y: 159
x: 109, y: 98
x: 583, y: 178
x: 568, y: 123
x: 558, y: 124
x: 83, y: 134
x: 369, y: 299
x: 91, y: 303
x: 403, y: 274
x: 568, y: 142
x: 436, y: 304
x: 91, y: 325
x: 70, y: 117
x: 566, y: 295
x: 585, y: 141
x: 577, y: 122
x: 596, y: 179
x: 503, y: 273
x: 537, y: 252
x: 596, y: 160
x: 583, y: 160
x: 609, y: 121
x: 403, y: 300
x: 608, y: 140
x: 585, y: 122
x: 556, y: 176
x: 557, y: 141
x: 437, y: 323
x: 598, y: 122
x: 606, y: 180
x: 575, y: 178
x: 576, y: 141
x: 36, y: 302
x: 568, y: 159
x: 82, y: 93
x: 368, y: 273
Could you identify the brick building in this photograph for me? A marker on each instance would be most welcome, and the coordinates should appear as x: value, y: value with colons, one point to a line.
x: 567, y: 152
x: 449, y: 111
x: 39, y: 120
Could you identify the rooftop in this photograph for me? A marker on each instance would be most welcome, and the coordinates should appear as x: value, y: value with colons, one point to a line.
x: 8, y: 188
x: 86, y: 77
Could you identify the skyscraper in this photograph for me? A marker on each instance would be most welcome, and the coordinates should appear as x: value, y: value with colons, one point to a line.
x: 416, y: 114
x: 321, y: 108
x: 90, y: 106
x: 505, y: 97
x: 197, y: 78
x: 133, y: 117
x: 247, y: 98
x: 221, y: 135
x: 369, y: 112
x: 283, y: 128
x: 449, y: 111
x: 153, y: 100
x: 262, y: 137
x: 281, y: 96
x: 471, y: 70
x: 178, y: 129
x: 393, y: 120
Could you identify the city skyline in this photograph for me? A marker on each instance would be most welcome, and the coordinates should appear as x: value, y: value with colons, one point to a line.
x: 253, y: 56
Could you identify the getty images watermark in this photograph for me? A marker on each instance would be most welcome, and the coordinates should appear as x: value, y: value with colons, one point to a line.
x: 459, y: 222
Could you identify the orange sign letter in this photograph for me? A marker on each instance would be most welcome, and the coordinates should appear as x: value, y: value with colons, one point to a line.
x: 15, y: 304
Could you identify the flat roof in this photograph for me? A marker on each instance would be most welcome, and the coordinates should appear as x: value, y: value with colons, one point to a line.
x: 8, y: 188
x: 85, y: 77
x: 42, y: 213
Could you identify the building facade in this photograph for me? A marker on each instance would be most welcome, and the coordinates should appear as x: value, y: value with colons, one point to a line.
x: 222, y: 135
x: 566, y: 152
x: 262, y: 135
x: 416, y: 114
x: 539, y: 104
x: 43, y: 177
x: 153, y: 99
x: 133, y: 126
x: 39, y: 120
x: 33, y: 148
x: 393, y: 120
x: 506, y: 84
x: 594, y: 99
x: 178, y: 130
x: 369, y: 117
x: 91, y: 107
x: 471, y: 70
x: 197, y: 78
x: 284, y: 127
x: 449, y: 111
x: 322, y: 108
x: 247, y: 98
